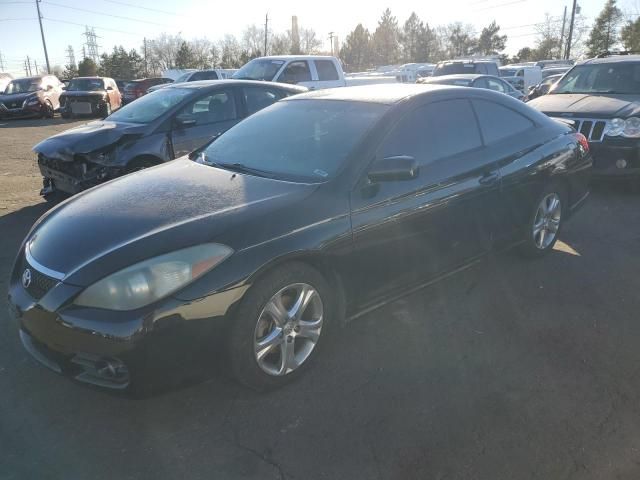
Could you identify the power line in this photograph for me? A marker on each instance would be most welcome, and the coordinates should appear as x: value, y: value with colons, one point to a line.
x: 16, y: 19
x: 499, y: 5
x: 96, y: 12
x: 146, y: 8
x: 84, y: 25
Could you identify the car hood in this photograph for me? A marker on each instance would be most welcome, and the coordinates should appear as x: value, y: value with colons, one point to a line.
x: 581, y: 105
x: 155, y: 211
x: 17, y: 97
x: 87, y: 138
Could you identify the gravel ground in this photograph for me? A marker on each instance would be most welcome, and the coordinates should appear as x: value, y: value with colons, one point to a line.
x: 512, y: 370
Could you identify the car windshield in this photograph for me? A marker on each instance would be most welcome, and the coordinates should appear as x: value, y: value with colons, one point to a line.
x: 461, y: 82
x: 148, y: 108
x: 300, y: 140
x: 621, y: 78
x: 85, y: 85
x: 453, y: 68
x: 508, y: 72
x: 259, y: 70
x: 24, y: 85
x: 183, y: 78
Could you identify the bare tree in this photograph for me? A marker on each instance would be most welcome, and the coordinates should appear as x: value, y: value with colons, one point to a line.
x: 309, y: 41
x: 230, y: 52
x: 253, y: 40
x: 280, y: 44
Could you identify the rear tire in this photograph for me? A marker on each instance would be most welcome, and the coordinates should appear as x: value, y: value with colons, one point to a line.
x: 48, y: 111
x: 545, y: 222
x: 267, y: 350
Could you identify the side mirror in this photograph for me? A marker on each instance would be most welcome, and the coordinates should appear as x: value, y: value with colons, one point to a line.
x: 401, y: 167
x: 185, y: 120
x: 63, y: 88
x: 109, y: 88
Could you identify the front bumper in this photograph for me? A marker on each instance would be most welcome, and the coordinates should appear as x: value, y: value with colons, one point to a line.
x: 616, y: 159
x: 73, y: 176
x: 114, y: 349
x: 97, y: 106
x: 21, y: 112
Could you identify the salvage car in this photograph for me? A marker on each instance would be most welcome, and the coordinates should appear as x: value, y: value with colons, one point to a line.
x: 90, y: 96
x: 31, y: 97
x: 193, y: 76
x: 475, y: 81
x: 600, y: 97
x: 159, y: 127
x: 316, y: 209
x: 138, y: 88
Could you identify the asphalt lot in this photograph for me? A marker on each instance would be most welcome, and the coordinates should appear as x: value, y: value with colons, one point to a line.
x: 512, y: 370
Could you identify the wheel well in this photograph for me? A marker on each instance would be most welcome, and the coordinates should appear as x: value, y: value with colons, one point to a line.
x: 319, y: 263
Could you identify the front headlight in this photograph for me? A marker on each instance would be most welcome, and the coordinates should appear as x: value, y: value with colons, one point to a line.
x: 627, y: 128
x: 153, y: 279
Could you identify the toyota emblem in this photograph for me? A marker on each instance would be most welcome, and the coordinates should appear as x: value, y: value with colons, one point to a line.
x: 26, y: 278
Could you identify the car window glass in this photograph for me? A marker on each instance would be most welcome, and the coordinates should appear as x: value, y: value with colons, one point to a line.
x: 257, y: 98
x: 498, y: 122
x: 326, y: 70
x: 212, y: 108
x: 435, y: 131
x: 152, y: 106
x: 296, y: 72
x: 495, y: 85
x: 481, y: 83
x: 204, y: 76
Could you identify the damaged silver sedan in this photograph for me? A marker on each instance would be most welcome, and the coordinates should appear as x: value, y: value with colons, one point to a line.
x: 156, y: 128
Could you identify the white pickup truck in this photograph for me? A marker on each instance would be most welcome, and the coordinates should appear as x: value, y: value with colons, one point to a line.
x: 311, y: 71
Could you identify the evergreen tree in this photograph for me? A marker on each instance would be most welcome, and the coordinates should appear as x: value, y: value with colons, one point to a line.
x: 184, y: 56
x: 356, y: 50
x: 489, y: 41
x: 604, y: 34
x: 87, y: 68
x: 630, y: 36
x: 386, y: 45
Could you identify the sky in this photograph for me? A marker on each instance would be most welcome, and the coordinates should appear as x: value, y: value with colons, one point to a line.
x: 128, y: 22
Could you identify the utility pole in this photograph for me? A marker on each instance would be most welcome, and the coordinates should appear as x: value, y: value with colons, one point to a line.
x: 26, y: 70
x: 573, y: 18
x: 35, y: 67
x: 1, y: 63
x: 266, y: 32
x: 44, y: 44
x: 564, y: 21
x: 29, y: 64
x: 331, y: 35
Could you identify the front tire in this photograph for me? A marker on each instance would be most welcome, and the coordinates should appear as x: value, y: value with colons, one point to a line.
x: 545, y: 222
x: 106, y: 110
x: 48, y: 111
x: 279, y: 325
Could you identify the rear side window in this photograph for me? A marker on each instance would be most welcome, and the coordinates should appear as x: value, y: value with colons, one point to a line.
x: 326, y: 70
x: 204, y: 76
x: 257, y: 98
x: 498, y: 122
x: 435, y: 131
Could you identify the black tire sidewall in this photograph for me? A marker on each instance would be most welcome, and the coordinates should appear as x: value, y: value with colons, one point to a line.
x: 242, y: 328
x: 529, y: 247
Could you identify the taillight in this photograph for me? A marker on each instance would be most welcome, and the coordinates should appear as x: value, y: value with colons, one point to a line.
x: 582, y: 140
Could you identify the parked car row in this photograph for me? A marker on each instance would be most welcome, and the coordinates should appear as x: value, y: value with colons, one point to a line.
x: 316, y: 207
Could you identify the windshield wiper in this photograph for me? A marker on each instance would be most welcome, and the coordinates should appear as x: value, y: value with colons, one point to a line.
x: 242, y: 168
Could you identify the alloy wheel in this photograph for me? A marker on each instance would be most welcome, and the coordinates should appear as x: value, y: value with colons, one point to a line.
x: 288, y: 329
x: 547, y: 221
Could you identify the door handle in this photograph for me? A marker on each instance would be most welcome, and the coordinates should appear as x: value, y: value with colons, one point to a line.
x: 489, y: 178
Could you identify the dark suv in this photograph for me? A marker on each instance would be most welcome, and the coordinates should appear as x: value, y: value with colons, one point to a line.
x: 600, y: 98
x: 456, y: 67
x: 90, y: 96
x: 31, y: 97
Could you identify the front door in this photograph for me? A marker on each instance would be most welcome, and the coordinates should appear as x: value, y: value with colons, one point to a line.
x: 202, y: 119
x: 407, y: 231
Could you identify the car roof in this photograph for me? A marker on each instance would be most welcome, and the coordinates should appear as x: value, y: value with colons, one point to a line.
x: 201, y: 84
x: 467, y: 61
x: 88, y: 78
x: 463, y: 76
x: 613, y: 59
x: 293, y: 57
x: 387, y: 94
x: 34, y: 77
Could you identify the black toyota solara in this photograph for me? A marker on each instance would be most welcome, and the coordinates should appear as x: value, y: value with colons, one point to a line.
x: 312, y: 211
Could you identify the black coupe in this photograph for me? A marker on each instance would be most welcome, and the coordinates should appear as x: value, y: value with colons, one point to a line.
x: 317, y: 208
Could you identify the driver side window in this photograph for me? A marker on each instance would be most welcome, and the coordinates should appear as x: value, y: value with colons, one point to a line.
x: 495, y: 85
x: 218, y: 106
x: 296, y: 72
